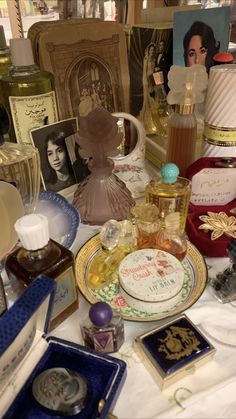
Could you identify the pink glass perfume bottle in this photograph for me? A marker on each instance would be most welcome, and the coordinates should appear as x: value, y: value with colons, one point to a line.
x: 103, y: 330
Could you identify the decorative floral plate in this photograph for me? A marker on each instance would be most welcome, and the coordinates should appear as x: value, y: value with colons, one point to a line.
x: 63, y: 217
x: 195, y: 279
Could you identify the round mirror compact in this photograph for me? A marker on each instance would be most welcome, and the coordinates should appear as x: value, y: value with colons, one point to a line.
x: 130, y: 160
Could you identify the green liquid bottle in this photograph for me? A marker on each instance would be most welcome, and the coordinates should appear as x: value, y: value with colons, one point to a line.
x: 28, y: 93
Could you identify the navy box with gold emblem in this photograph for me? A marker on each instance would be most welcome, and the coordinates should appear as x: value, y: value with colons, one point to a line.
x: 173, y: 350
x: 45, y: 377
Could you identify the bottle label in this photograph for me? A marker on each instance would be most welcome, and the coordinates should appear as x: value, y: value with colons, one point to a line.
x: 219, y: 136
x: 30, y: 112
x: 104, y: 341
x: 66, y: 293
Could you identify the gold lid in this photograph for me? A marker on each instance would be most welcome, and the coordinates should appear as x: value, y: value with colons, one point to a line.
x: 185, y: 109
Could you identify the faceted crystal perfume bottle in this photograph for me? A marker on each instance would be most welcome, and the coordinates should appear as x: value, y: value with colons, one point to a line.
x: 103, y: 330
x: 170, y: 193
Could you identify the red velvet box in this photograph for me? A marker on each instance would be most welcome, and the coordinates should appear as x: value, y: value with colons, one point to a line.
x: 213, y: 190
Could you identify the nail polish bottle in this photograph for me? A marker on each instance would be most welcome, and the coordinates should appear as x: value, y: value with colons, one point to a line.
x: 103, y: 330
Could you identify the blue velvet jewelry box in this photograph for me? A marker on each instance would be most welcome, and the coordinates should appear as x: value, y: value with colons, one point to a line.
x: 173, y: 350
x: 26, y: 351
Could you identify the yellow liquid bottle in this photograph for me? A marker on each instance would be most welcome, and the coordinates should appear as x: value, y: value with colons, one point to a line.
x: 28, y: 93
x: 170, y: 193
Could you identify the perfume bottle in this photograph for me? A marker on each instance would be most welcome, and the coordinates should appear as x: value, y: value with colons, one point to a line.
x: 5, y: 57
x: 224, y: 285
x: 27, y: 93
x: 103, y: 330
x: 182, y: 134
x: 170, y: 193
x: 19, y: 164
x: 182, y: 126
x: 171, y: 239
x: 117, y: 241
x: 40, y: 255
x: 146, y: 218
x: 162, y: 109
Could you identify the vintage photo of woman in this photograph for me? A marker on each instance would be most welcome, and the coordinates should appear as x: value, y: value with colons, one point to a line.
x: 60, y: 174
x: 56, y: 167
x: 200, y: 34
x: 200, y: 45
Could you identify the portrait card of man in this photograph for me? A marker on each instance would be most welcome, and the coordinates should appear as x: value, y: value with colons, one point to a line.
x: 56, y: 167
x: 199, y: 34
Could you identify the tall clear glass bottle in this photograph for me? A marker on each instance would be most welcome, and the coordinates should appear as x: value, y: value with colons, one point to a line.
x: 162, y: 109
x: 28, y: 93
x: 170, y: 193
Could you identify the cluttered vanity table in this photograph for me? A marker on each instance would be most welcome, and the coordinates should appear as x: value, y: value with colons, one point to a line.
x: 186, y: 317
x: 207, y: 392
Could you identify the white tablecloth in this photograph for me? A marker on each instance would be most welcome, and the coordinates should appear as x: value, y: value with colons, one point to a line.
x: 208, y: 393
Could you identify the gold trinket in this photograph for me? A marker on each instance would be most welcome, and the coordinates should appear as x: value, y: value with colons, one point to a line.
x: 220, y: 223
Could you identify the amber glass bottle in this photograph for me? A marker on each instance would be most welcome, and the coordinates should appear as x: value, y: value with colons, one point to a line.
x: 41, y: 255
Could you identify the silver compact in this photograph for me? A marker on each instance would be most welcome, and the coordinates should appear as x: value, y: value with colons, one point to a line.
x: 61, y: 391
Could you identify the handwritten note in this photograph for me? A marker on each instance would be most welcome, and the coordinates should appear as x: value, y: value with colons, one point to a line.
x: 214, y: 186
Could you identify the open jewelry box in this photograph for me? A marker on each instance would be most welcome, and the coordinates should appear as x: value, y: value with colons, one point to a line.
x: 26, y: 351
x: 213, y: 190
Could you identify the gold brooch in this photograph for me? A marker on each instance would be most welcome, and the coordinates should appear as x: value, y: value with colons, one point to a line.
x: 219, y: 223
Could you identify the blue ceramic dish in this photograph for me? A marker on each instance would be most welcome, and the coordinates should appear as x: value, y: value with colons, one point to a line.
x: 63, y: 217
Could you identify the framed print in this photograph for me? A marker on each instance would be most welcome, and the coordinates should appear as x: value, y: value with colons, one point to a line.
x: 56, y: 168
x: 199, y: 34
x: 90, y: 66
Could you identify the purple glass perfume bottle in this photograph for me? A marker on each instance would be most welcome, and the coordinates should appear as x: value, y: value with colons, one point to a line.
x: 103, y: 330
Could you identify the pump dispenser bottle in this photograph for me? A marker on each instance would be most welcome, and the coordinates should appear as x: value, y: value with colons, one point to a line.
x: 27, y: 93
x: 182, y: 127
x: 41, y: 255
x: 182, y: 134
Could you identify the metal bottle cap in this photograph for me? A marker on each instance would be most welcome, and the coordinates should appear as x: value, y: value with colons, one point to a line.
x: 61, y: 390
x: 226, y: 162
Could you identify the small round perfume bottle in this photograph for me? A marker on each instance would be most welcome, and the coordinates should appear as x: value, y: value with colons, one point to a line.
x: 103, y: 330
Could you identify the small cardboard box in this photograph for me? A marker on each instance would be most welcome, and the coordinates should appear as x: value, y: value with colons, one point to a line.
x: 173, y: 350
x: 214, y: 190
x: 26, y: 351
